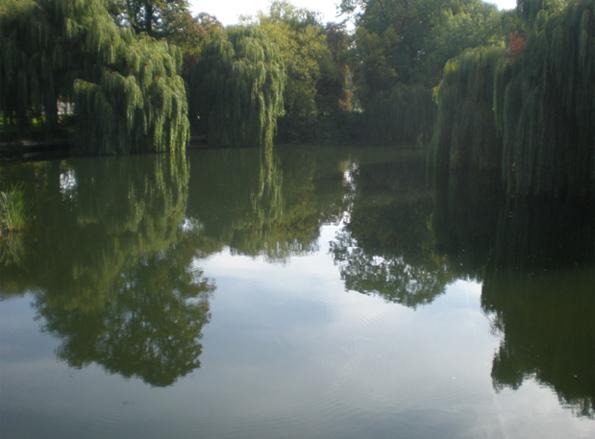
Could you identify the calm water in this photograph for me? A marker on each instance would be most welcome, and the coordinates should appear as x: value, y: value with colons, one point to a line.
x: 318, y: 293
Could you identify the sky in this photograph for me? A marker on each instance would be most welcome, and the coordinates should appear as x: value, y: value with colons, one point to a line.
x: 229, y: 11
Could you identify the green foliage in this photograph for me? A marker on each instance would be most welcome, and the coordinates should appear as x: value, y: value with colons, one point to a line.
x: 127, y: 93
x: 465, y: 134
x: 527, y: 111
x: 538, y: 290
x: 547, y: 335
x: 12, y: 249
x: 148, y: 330
x: 544, y: 107
x: 535, y: 259
x: 387, y: 247
x: 13, y: 214
x: 315, y: 60
x: 236, y: 88
x: 401, y: 47
x: 157, y: 18
x: 169, y: 20
x: 465, y: 219
x: 532, y: 10
x: 337, y: 81
x: 409, y: 42
x: 402, y: 115
x: 194, y: 35
x: 112, y: 265
x: 264, y: 202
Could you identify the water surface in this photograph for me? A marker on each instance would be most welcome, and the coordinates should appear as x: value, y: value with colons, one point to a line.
x: 315, y: 293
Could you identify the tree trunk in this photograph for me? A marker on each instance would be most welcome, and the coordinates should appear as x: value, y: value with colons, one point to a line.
x: 149, y: 12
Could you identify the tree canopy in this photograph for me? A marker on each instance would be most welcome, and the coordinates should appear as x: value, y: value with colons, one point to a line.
x: 465, y: 134
x: 237, y: 87
x: 526, y: 109
x: 400, y: 49
x: 157, y: 18
x: 544, y: 106
x: 127, y: 94
x: 315, y: 60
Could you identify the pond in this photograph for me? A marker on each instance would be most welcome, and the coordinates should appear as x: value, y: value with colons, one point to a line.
x: 309, y: 293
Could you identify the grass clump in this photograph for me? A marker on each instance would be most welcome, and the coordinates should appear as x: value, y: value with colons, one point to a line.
x: 13, y: 215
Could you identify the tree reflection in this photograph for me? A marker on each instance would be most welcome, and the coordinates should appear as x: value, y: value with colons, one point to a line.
x: 148, y: 329
x: 546, y: 321
x: 536, y: 259
x: 111, y: 253
x: 112, y: 266
x: 465, y: 221
x: 264, y: 202
x: 387, y: 245
x: 540, y: 292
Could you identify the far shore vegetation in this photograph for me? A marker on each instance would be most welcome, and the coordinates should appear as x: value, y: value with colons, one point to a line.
x: 477, y: 89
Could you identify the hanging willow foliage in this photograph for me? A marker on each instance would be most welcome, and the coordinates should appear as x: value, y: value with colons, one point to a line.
x: 403, y: 115
x: 128, y: 96
x: 237, y: 88
x: 542, y: 101
x: 465, y: 134
x: 531, y: 10
x: 545, y: 107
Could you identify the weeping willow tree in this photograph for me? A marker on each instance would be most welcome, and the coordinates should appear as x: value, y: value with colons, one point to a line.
x: 126, y: 92
x: 236, y: 88
x: 531, y: 10
x: 545, y: 101
x: 532, y: 104
x: 465, y: 134
x: 402, y: 115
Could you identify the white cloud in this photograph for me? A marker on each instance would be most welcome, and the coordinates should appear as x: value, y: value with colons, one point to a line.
x: 229, y: 11
x: 503, y: 4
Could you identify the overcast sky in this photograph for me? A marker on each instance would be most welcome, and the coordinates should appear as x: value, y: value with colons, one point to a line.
x: 228, y: 11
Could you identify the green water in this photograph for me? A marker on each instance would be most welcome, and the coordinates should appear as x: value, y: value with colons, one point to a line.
x: 318, y: 293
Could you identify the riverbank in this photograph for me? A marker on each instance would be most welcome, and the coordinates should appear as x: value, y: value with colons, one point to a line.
x: 33, y: 149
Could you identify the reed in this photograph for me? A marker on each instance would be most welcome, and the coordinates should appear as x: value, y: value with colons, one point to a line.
x: 13, y: 215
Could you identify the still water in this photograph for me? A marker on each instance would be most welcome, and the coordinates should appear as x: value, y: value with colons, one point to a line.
x: 313, y: 293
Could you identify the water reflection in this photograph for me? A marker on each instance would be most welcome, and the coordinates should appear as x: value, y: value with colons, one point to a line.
x: 540, y: 291
x: 111, y: 266
x: 262, y: 203
x: 387, y: 246
x: 536, y: 260
x: 546, y: 322
x: 465, y: 220
x: 113, y: 253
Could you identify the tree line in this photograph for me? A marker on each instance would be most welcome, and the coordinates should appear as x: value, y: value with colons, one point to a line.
x: 509, y: 91
x: 524, y: 105
x: 142, y: 73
